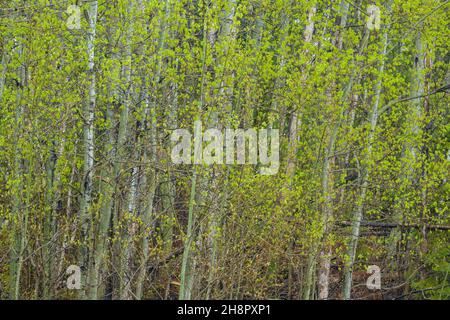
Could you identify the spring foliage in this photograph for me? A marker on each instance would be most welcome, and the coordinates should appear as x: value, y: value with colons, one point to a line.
x: 86, y: 176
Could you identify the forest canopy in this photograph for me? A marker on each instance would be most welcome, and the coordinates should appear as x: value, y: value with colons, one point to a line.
x: 346, y: 100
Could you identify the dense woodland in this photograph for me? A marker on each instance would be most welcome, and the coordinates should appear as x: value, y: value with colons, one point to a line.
x: 87, y: 179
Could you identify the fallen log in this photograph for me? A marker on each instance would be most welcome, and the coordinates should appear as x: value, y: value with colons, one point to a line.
x: 387, y: 225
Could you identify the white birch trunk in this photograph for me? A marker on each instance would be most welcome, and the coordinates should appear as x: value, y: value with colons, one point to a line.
x: 88, y: 141
x: 357, y: 216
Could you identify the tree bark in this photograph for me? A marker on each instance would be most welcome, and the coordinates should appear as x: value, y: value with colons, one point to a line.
x: 357, y: 216
x: 88, y: 167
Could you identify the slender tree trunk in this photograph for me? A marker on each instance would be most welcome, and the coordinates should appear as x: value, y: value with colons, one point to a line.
x: 107, y: 177
x: 294, y: 128
x: 357, y: 215
x: 296, y: 116
x: 150, y: 182
x: 49, y: 225
x: 189, y: 259
x: 410, y: 149
x: 19, y: 209
x: 88, y: 141
x: 216, y: 210
x: 148, y: 215
x: 327, y: 179
x: 4, y: 67
x: 127, y: 241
